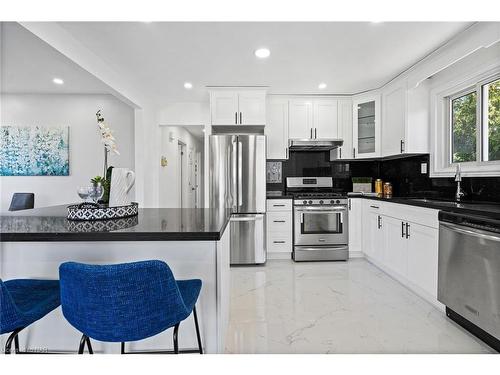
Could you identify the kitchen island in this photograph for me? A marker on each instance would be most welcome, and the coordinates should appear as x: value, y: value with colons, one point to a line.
x: 193, y: 242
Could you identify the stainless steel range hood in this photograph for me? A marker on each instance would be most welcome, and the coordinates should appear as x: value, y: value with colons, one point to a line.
x: 314, y: 144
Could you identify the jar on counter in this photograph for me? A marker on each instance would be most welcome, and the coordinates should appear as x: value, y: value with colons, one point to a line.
x: 379, y: 187
x: 387, y: 190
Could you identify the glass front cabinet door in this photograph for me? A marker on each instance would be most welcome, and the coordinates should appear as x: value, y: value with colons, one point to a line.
x: 366, y: 127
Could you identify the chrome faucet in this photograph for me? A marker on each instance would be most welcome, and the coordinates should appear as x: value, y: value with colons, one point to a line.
x: 458, y: 178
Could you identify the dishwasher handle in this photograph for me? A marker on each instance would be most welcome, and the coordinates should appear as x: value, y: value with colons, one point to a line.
x: 470, y: 232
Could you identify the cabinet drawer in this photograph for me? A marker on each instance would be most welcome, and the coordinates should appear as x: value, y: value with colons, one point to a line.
x: 279, y: 205
x: 419, y: 215
x: 279, y: 222
x: 278, y: 243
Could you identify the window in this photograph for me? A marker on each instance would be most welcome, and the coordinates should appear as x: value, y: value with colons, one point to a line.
x: 474, y: 123
x: 491, y: 121
x: 463, y: 128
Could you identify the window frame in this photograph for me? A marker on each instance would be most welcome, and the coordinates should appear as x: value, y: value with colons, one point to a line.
x: 483, y: 110
x: 441, y: 130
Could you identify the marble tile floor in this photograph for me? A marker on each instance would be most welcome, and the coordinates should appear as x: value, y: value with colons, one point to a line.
x: 335, y: 307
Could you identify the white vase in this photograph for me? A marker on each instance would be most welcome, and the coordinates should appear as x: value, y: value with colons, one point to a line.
x: 122, y: 180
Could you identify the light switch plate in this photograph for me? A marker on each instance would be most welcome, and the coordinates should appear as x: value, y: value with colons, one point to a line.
x: 423, y: 168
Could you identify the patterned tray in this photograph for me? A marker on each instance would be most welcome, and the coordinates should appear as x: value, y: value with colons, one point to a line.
x: 93, y: 211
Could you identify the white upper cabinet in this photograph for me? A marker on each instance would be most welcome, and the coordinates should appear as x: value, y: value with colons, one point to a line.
x: 238, y: 107
x: 252, y: 107
x: 366, y: 126
x: 325, y: 118
x: 405, y: 119
x: 344, y: 130
x: 393, y: 120
x: 276, y: 128
x: 300, y: 118
x: 224, y: 107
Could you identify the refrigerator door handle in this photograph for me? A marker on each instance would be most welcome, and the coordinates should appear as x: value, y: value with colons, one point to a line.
x: 240, y: 174
x: 232, y: 181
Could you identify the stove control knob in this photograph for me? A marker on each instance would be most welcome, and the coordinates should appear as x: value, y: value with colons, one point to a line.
x: 310, y: 202
x: 338, y: 201
x: 332, y: 202
x: 305, y: 202
x: 320, y: 202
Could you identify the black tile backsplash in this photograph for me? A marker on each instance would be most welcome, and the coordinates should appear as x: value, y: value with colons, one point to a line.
x: 404, y: 173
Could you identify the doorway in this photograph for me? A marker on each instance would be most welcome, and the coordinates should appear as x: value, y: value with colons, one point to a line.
x: 182, y: 182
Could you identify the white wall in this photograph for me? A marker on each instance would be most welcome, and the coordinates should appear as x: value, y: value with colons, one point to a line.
x: 86, y: 151
x: 169, y: 182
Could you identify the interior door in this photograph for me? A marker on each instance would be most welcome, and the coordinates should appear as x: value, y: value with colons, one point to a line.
x: 251, y: 173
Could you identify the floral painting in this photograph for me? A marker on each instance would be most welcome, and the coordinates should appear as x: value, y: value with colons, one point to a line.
x: 34, y: 151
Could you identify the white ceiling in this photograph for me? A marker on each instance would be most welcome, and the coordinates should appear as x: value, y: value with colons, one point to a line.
x: 159, y: 57
x: 349, y: 56
x: 29, y: 64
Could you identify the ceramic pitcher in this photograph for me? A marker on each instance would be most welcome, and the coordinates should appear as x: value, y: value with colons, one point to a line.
x: 122, y: 180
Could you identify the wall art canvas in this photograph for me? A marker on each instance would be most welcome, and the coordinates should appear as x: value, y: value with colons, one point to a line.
x: 34, y: 151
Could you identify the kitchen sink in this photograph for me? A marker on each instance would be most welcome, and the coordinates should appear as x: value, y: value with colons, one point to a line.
x: 437, y: 202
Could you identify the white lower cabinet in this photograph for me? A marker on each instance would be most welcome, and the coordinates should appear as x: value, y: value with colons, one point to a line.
x: 396, y: 249
x: 355, y: 225
x: 405, y: 249
x: 423, y: 257
x: 279, y: 228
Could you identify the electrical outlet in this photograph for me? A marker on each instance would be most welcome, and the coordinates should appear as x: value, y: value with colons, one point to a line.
x: 423, y: 168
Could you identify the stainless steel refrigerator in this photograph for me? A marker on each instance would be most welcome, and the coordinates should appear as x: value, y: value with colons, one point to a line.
x: 238, y: 182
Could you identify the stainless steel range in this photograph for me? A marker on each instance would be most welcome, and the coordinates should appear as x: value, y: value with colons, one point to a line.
x: 320, y: 220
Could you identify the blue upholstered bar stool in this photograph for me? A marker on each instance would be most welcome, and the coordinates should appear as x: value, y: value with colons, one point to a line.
x: 23, y: 302
x: 126, y: 302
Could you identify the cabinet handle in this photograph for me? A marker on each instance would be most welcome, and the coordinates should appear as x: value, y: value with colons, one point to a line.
x: 377, y: 207
x: 278, y: 241
x: 402, y: 146
x: 349, y: 200
x: 311, y: 133
x: 236, y: 118
x: 340, y: 153
x: 315, y: 133
x: 278, y: 221
x: 241, y: 119
x: 402, y: 229
x: 407, y: 230
x: 354, y: 153
x: 379, y: 222
x: 278, y: 205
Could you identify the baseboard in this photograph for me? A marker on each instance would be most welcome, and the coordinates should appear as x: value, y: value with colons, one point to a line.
x: 279, y: 255
x: 409, y: 285
x: 356, y: 254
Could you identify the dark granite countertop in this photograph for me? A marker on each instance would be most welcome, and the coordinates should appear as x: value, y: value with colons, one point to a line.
x: 152, y: 224
x: 486, y: 209
x: 284, y: 196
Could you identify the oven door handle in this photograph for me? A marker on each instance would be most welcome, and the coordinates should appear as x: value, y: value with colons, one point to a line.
x: 317, y: 209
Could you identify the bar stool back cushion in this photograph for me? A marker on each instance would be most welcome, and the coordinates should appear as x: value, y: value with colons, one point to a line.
x: 22, y: 201
x: 24, y: 301
x: 121, y: 302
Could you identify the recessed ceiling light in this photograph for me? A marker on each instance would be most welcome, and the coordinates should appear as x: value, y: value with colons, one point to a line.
x: 262, y: 53
x: 188, y: 85
x: 58, y: 81
x: 322, y: 86
x: 376, y: 21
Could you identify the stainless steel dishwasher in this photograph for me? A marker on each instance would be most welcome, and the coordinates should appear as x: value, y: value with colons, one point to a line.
x: 469, y: 273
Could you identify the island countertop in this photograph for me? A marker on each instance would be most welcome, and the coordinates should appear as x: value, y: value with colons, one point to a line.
x: 152, y: 224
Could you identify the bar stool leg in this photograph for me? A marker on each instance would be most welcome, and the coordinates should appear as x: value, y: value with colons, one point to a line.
x: 176, y: 338
x: 198, y: 336
x: 123, y: 348
x: 13, y: 337
x: 89, y: 346
x: 82, y: 344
